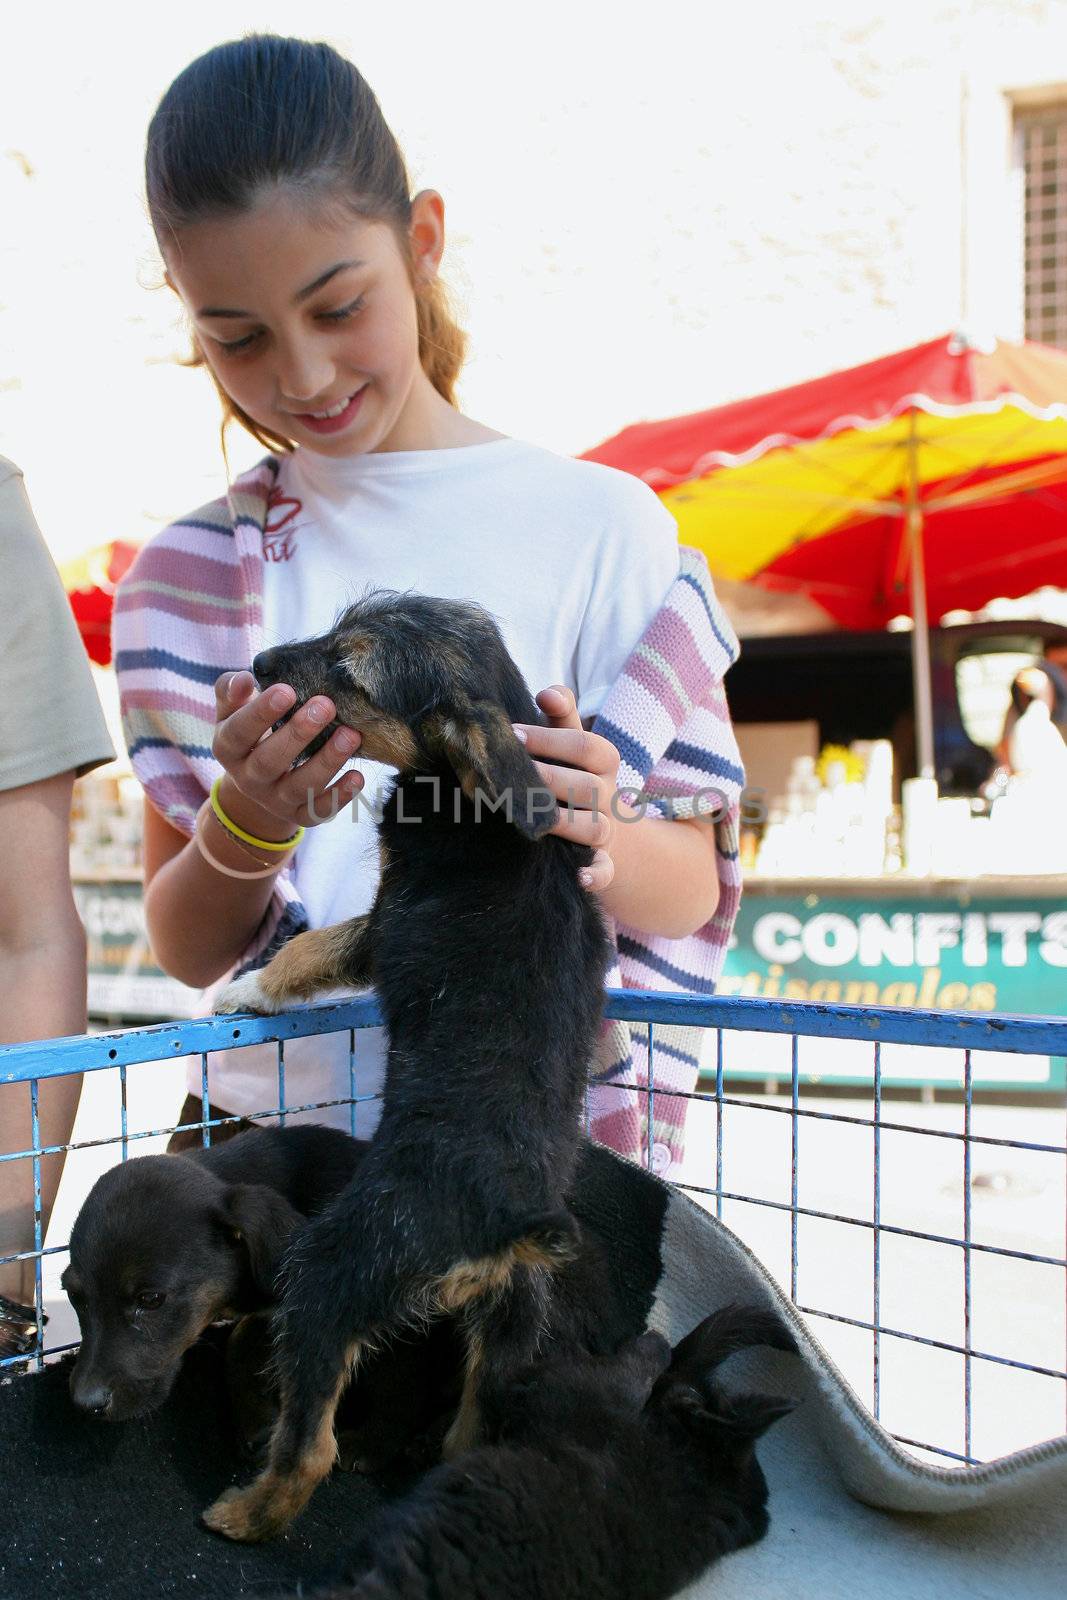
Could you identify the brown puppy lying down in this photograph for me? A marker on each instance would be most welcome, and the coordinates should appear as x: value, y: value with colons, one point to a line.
x: 611, y: 1478
x: 164, y: 1246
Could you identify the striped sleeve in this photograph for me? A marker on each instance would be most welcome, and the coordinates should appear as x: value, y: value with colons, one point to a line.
x: 190, y: 608
x: 179, y: 622
x: 668, y: 716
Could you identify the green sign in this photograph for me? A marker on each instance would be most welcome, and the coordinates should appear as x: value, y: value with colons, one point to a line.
x: 933, y: 955
x: 990, y: 955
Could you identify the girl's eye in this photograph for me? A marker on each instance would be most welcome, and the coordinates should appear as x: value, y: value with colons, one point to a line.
x: 343, y: 313
x: 233, y: 346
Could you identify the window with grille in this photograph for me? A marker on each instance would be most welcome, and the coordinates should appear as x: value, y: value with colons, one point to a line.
x: 1043, y: 135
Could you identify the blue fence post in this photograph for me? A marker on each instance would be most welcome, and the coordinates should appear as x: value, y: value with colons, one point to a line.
x: 205, y: 1103
x: 650, y: 1136
x: 968, y: 1087
x: 718, y: 1122
x: 38, y: 1230
x: 794, y: 1190
x: 876, y: 1309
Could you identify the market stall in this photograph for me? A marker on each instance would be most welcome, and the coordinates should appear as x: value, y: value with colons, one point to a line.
x: 865, y: 886
x: 895, y: 851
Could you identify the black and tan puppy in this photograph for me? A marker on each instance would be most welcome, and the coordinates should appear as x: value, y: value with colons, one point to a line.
x: 613, y: 1479
x: 489, y: 959
x: 163, y: 1246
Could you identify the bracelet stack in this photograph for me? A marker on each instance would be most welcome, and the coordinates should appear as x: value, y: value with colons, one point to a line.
x: 245, y: 841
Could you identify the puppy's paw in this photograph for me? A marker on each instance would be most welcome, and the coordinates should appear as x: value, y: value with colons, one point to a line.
x: 246, y: 994
x: 250, y: 1514
x: 226, y: 1515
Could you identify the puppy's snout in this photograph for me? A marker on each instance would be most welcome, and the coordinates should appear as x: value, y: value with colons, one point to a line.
x: 95, y: 1398
x: 263, y: 665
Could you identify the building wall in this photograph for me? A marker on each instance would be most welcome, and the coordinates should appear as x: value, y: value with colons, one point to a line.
x: 855, y: 188
x: 652, y: 209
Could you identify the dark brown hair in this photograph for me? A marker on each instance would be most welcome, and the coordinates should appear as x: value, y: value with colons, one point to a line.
x: 266, y: 110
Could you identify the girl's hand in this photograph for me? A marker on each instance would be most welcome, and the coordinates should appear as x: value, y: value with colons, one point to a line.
x: 584, y: 788
x: 269, y: 798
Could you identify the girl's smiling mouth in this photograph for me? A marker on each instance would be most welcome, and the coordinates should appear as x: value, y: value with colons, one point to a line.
x: 333, y: 418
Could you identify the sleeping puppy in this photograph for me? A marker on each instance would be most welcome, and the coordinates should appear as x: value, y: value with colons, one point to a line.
x: 489, y: 961
x: 618, y: 1478
x: 166, y: 1245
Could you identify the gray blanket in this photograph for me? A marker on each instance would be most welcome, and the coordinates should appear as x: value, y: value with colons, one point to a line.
x: 852, y: 1513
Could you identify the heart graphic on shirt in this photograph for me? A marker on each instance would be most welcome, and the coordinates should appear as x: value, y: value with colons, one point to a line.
x: 276, y: 503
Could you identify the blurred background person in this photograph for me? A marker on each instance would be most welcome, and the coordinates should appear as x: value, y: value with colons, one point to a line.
x: 51, y: 731
x: 1033, y: 742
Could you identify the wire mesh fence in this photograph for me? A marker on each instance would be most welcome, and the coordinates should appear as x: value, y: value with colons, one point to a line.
x: 925, y: 1241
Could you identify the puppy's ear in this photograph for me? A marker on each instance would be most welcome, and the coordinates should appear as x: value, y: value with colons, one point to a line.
x: 261, y: 1222
x: 747, y: 1416
x: 733, y: 1328
x: 480, y: 744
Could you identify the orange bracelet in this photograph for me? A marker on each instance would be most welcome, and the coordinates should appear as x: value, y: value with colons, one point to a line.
x: 213, y: 861
x: 245, y: 848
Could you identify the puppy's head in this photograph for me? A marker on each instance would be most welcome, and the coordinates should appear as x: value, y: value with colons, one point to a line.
x: 424, y: 680
x: 575, y: 1396
x: 161, y: 1249
x: 725, y: 1426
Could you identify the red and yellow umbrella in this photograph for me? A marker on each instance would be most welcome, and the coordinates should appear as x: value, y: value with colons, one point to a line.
x: 90, y: 582
x: 931, y: 479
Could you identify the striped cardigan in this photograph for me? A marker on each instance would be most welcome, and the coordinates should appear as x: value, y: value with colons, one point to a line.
x: 191, y: 607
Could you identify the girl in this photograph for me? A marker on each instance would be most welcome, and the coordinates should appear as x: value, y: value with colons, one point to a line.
x: 282, y: 209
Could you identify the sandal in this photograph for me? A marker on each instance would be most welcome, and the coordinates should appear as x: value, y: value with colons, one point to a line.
x: 18, y: 1328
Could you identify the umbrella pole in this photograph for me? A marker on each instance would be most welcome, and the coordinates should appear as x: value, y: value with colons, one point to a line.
x: 920, y: 632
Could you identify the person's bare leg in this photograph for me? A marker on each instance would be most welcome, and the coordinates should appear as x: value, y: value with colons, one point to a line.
x: 42, y: 996
x: 57, y: 1107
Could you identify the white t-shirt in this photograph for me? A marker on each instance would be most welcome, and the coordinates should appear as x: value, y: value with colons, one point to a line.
x: 573, y: 560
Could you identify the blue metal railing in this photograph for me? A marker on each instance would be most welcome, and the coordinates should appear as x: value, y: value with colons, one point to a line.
x: 725, y: 1019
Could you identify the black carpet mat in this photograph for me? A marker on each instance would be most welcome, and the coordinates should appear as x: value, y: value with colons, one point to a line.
x: 113, y: 1510
x: 90, y: 1508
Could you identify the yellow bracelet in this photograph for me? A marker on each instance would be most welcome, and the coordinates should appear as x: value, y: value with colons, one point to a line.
x: 220, y: 866
x: 249, y: 838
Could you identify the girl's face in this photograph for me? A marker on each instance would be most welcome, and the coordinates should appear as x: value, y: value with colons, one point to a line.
x: 307, y: 318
